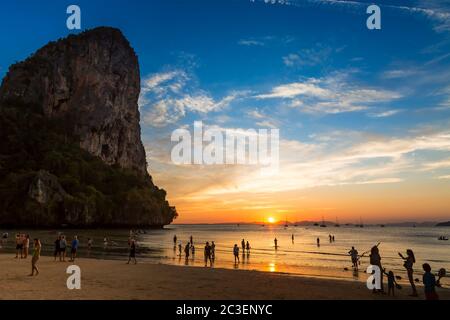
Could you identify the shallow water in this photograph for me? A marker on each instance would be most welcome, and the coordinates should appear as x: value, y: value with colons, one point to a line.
x: 301, y: 257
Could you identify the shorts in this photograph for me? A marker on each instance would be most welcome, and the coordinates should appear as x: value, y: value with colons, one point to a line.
x: 74, y: 250
x: 62, y: 249
x: 19, y: 247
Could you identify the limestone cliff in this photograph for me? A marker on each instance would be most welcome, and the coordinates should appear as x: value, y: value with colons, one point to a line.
x: 72, y: 102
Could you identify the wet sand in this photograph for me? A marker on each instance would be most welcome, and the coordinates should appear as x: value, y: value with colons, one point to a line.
x: 107, y: 279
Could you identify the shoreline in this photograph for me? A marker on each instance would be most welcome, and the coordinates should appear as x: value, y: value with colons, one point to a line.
x: 115, y: 280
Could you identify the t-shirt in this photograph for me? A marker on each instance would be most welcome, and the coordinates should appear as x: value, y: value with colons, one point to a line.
x: 207, y: 250
x: 236, y: 250
x: 75, y: 244
x: 429, y: 281
x: 62, y: 244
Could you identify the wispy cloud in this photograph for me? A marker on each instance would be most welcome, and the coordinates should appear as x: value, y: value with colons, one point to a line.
x: 251, y: 42
x: 167, y: 96
x: 333, y: 94
x: 384, y: 114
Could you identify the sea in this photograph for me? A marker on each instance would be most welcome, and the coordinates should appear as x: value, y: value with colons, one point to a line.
x: 301, y: 256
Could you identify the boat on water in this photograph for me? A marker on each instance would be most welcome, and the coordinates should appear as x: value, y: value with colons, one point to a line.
x: 361, y: 225
x: 323, y: 225
x: 443, y: 238
x: 337, y: 223
x: 286, y: 224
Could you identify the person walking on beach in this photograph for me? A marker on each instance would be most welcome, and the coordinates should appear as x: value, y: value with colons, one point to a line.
x: 180, y: 246
x: 334, y: 239
x: 74, y: 248
x: 375, y: 259
x: 429, y: 282
x: 243, y: 245
x: 236, y: 254
x: 26, y: 246
x: 247, y: 246
x: 19, y: 246
x: 175, y: 240
x: 89, y: 244
x: 409, y: 261
x: 36, y: 256
x: 62, y: 249
x: 275, y: 241
x: 354, y: 255
x: 132, y: 254
x: 318, y: 242
x: 208, y: 252
x: 191, y: 240
x: 187, y: 249
x: 292, y: 238
x: 213, y: 250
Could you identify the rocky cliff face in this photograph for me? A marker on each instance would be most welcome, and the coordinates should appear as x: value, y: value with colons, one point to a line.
x: 93, y: 78
x: 71, y: 152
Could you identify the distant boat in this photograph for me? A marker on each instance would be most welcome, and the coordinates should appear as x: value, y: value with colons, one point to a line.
x: 361, y: 223
x: 337, y: 223
x: 316, y: 224
x: 323, y: 225
x: 286, y: 224
x: 382, y: 225
x: 442, y: 238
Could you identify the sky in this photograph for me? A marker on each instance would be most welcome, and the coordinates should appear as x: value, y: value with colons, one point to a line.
x: 363, y: 114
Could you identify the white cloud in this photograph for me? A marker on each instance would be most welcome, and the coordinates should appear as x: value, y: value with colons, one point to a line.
x: 385, y: 114
x: 166, y: 97
x: 332, y: 94
x: 251, y: 43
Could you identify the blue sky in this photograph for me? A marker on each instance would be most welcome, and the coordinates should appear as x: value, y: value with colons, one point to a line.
x: 310, y: 68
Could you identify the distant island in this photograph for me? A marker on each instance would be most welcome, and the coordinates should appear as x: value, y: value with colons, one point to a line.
x: 71, y: 152
x: 443, y: 224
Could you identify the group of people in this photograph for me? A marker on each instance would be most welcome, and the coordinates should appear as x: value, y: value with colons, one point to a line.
x: 209, y: 251
x: 245, y: 245
x: 22, y: 242
x: 61, y: 246
x: 429, y: 279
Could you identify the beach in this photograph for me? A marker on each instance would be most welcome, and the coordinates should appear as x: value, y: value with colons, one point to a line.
x: 114, y: 279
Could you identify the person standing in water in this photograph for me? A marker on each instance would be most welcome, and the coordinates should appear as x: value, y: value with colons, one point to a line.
x: 36, y: 256
x: 243, y: 245
x: 213, y: 250
x: 187, y: 248
x: 318, y: 242
x: 175, y: 240
x: 132, y: 254
x: 354, y: 255
x: 208, y: 252
x: 191, y: 240
x: 236, y: 254
x: 409, y: 261
x: 292, y: 238
x: 247, y: 246
x: 180, y: 248
x: 275, y: 241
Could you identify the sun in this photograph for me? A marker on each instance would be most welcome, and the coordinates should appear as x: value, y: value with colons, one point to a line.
x: 271, y: 220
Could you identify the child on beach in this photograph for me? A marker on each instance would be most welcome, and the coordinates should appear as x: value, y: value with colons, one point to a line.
x: 132, y: 254
x: 354, y: 255
x: 429, y: 282
x: 392, y: 284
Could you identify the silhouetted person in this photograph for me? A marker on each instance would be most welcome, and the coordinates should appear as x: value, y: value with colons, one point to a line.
x: 213, y: 250
x: 375, y: 259
x: 36, y: 256
x: 243, y: 245
x: 247, y: 246
x: 187, y: 249
x: 275, y: 241
x: 429, y: 282
x: 409, y: 264
x: 354, y: 255
x: 175, y: 240
x: 208, y: 253
x: 191, y: 240
x: 331, y: 238
x: 292, y: 237
x: 318, y: 242
x: 132, y: 253
x: 180, y: 246
x: 391, y: 282
x: 236, y: 253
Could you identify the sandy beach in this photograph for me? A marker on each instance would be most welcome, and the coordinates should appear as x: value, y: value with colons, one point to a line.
x: 109, y: 279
